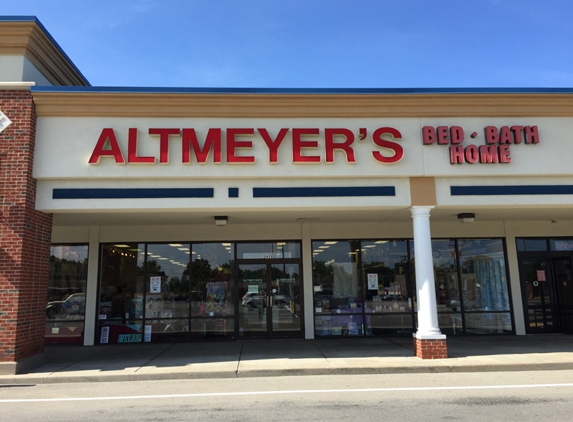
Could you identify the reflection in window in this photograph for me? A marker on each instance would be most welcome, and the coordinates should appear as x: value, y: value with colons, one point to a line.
x: 267, y: 250
x: 337, y: 289
x: 483, y: 278
x: 212, y: 285
x: 67, y: 283
x: 479, y: 287
x: 561, y: 245
x: 384, y: 270
x: 122, y: 289
x: 484, y: 286
x: 446, y: 275
x: 530, y: 245
x: 167, y: 290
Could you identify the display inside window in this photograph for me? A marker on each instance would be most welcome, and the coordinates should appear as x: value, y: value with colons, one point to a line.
x: 483, y: 278
x: 122, y: 293
x: 167, y: 277
x: 66, y: 305
x: 338, y: 298
x: 336, y: 282
x: 212, y: 284
x: 479, y: 286
x: 446, y: 276
x: 384, y: 269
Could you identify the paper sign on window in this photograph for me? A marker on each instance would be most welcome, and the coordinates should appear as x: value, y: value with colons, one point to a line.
x: 104, y: 335
x: 372, y: 281
x: 155, y: 284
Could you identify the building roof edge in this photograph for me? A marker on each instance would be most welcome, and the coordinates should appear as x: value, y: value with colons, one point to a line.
x: 325, y: 91
x: 49, y: 36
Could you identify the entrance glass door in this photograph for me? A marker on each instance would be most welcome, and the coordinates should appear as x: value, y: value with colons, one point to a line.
x: 271, y: 300
x: 539, y: 295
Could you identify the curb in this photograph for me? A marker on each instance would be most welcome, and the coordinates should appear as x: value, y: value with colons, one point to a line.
x: 254, y: 373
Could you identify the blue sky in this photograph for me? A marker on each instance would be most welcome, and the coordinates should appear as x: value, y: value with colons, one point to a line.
x: 313, y: 43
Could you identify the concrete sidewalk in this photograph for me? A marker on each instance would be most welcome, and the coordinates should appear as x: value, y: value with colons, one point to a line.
x: 65, y: 363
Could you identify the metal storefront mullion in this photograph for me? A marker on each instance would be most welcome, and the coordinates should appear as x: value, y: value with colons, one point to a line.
x: 508, y: 284
x: 144, y: 319
x: 460, y: 295
x: 189, y: 292
x: 235, y: 278
x: 411, y: 286
x: 98, y: 324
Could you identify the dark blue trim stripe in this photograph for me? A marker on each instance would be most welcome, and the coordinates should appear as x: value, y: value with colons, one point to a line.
x: 132, y: 193
x: 326, y: 91
x: 316, y: 192
x: 512, y: 190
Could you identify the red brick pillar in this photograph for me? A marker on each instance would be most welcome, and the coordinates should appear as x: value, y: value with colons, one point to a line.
x: 25, y: 236
x: 428, y: 348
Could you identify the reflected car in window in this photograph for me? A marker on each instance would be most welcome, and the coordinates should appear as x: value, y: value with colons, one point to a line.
x: 256, y: 300
x: 74, y: 304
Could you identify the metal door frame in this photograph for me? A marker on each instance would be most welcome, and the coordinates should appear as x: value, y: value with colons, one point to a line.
x: 268, y: 262
x: 553, y: 304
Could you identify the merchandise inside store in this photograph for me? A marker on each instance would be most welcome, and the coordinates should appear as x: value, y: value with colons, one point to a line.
x: 185, y: 291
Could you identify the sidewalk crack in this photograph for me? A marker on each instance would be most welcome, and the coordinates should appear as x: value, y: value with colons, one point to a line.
x: 320, y: 351
x: 400, y: 344
x: 239, y: 360
x: 154, y: 357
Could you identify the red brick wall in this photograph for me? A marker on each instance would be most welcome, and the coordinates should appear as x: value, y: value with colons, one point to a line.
x: 25, y: 235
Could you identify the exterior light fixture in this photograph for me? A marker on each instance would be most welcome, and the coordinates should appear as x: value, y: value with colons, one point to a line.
x: 466, y: 217
x: 221, y: 220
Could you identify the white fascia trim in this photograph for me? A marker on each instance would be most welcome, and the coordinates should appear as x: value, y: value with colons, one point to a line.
x: 16, y: 85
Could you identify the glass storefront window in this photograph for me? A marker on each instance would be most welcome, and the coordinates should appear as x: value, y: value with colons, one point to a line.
x: 483, y: 278
x: 155, y: 291
x: 464, y: 297
x: 268, y: 250
x: 446, y: 275
x: 167, y: 289
x: 337, y: 287
x: 384, y: 271
x: 67, y: 283
x: 488, y: 323
x: 561, y: 245
x: 122, y: 290
x: 212, y: 289
x: 531, y: 245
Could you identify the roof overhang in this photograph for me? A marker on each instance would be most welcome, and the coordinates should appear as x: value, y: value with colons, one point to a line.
x: 26, y: 36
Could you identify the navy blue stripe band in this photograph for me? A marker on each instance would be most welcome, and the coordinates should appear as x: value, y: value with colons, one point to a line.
x: 512, y: 190
x: 324, y: 192
x: 132, y: 193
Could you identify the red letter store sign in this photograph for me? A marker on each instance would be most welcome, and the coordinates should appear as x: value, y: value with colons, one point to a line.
x: 238, y: 142
x: 494, y: 150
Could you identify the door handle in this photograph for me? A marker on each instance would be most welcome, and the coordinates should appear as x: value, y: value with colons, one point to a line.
x: 269, y: 301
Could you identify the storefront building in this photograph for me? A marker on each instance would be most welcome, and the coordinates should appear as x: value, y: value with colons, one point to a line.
x: 149, y: 214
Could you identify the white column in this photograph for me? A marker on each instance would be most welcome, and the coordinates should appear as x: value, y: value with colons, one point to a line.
x: 92, y: 285
x: 428, y: 326
x: 307, y: 282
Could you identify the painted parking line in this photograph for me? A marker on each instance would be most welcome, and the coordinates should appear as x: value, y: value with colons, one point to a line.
x: 287, y: 392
